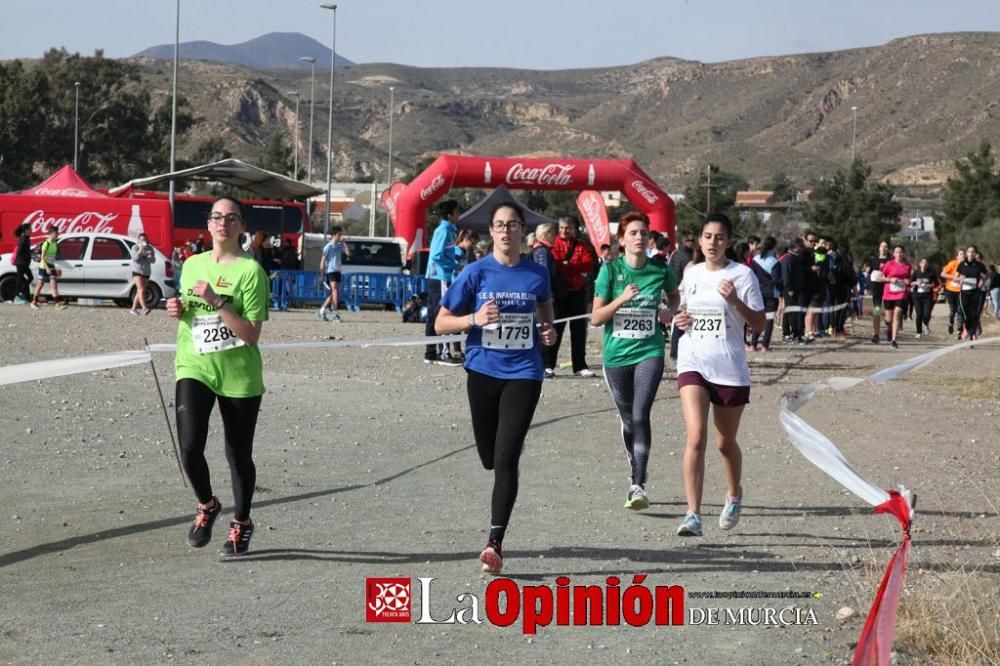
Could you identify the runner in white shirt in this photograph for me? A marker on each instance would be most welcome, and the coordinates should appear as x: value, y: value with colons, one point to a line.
x: 718, y: 297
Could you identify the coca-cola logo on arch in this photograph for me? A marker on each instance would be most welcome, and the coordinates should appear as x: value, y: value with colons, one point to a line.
x: 86, y: 221
x: 644, y: 192
x: 550, y: 174
x: 435, y: 185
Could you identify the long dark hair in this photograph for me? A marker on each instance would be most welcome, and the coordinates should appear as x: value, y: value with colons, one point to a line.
x: 727, y: 224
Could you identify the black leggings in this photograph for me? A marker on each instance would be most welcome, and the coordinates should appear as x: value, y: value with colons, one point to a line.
x: 969, y: 307
x: 501, y: 415
x: 195, y: 402
x: 770, y: 307
x: 575, y: 303
x: 953, y: 307
x: 24, y: 279
x: 922, y: 304
x: 633, y: 388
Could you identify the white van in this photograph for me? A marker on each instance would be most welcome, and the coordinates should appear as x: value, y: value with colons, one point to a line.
x: 368, y: 254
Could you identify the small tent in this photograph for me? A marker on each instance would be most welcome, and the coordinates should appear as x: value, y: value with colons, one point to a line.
x: 65, y: 182
x: 477, y: 218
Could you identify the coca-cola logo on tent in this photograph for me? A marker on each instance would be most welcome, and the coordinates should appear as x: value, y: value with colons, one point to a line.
x: 64, y: 192
x: 435, y: 185
x: 644, y: 192
x: 87, y: 221
x: 550, y: 174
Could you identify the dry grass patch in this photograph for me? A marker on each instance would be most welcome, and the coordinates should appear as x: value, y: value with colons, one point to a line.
x: 950, y: 619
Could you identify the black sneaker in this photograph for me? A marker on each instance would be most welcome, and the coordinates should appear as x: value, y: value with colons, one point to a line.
x: 238, y: 542
x: 492, y: 558
x: 201, y: 530
x: 951, y: 329
x: 894, y: 345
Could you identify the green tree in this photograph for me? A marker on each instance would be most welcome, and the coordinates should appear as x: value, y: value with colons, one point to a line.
x: 278, y: 156
x: 782, y: 186
x: 211, y: 150
x: 852, y: 207
x: 24, y: 123
x: 972, y: 199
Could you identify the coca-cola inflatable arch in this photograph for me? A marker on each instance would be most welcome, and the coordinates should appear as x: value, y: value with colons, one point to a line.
x: 536, y: 173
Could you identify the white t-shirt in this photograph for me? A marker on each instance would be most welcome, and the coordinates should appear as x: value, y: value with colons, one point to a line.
x: 713, y: 345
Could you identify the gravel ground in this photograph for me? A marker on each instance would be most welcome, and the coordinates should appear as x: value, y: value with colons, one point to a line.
x: 366, y: 467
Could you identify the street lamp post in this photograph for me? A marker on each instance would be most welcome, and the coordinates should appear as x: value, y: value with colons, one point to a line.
x: 388, y: 178
x: 329, y: 128
x: 76, y: 129
x: 173, y: 113
x: 295, y: 172
x: 312, y: 105
x: 854, y: 131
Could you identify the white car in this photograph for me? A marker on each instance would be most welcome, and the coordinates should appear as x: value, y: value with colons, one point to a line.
x: 96, y: 265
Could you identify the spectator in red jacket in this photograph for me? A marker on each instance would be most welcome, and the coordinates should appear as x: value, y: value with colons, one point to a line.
x: 575, y: 263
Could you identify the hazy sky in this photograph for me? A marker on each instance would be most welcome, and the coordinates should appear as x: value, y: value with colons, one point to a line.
x: 538, y: 34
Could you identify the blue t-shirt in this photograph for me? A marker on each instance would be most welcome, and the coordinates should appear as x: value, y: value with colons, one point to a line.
x: 515, y: 289
x: 332, y: 252
x: 441, y: 256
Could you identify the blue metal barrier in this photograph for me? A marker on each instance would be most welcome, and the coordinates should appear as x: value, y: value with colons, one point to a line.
x: 297, y: 288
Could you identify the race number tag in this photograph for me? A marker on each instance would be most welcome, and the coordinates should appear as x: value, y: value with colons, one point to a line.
x: 634, y: 323
x: 211, y: 335
x: 513, y: 332
x: 896, y: 288
x: 968, y: 284
x: 707, y: 323
x: 923, y: 286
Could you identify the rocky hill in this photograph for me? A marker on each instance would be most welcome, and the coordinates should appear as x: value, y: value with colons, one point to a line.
x: 921, y: 102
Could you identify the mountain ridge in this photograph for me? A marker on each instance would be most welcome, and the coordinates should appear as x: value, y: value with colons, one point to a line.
x: 922, y: 102
x: 274, y: 50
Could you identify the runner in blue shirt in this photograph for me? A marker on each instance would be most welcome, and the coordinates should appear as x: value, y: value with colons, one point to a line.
x: 504, y: 302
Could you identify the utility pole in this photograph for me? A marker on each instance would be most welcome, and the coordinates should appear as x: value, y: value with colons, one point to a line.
x: 708, y: 192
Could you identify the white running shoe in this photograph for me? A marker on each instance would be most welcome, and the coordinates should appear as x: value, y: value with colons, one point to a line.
x: 691, y: 525
x: 637, y: 499
x: 586, y: 372
x: 730, y: 515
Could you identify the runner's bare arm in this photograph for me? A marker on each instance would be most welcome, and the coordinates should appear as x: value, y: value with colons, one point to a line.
x: 545, y: 313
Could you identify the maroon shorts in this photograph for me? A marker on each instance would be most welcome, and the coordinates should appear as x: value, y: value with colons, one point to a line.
x: 723, y: 396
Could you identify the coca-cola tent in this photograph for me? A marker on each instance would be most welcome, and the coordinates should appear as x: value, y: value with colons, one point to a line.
x: 533, y: 173
x: 477, y: 218
x: 64, y: 183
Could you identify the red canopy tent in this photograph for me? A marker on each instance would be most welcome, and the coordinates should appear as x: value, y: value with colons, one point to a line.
x: 65, y: 183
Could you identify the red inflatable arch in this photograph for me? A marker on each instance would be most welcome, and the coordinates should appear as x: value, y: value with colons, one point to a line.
x: 523, y: 173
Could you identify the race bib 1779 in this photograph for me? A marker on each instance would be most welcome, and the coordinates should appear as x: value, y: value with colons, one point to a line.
x: 513, y: 332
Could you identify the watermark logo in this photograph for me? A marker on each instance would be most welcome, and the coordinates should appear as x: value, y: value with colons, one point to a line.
x: 387, y: 599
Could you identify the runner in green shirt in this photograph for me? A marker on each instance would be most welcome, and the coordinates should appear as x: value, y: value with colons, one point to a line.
x: 627, y: 301
x: 47, y: 271
x: 221, y: 308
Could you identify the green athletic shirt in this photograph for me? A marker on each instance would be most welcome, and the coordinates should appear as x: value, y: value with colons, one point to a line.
x: 237, y: 372
x: 651, y: 279
x: 48, y: 253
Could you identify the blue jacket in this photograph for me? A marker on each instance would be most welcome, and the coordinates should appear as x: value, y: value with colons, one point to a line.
x: 441, y: 262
